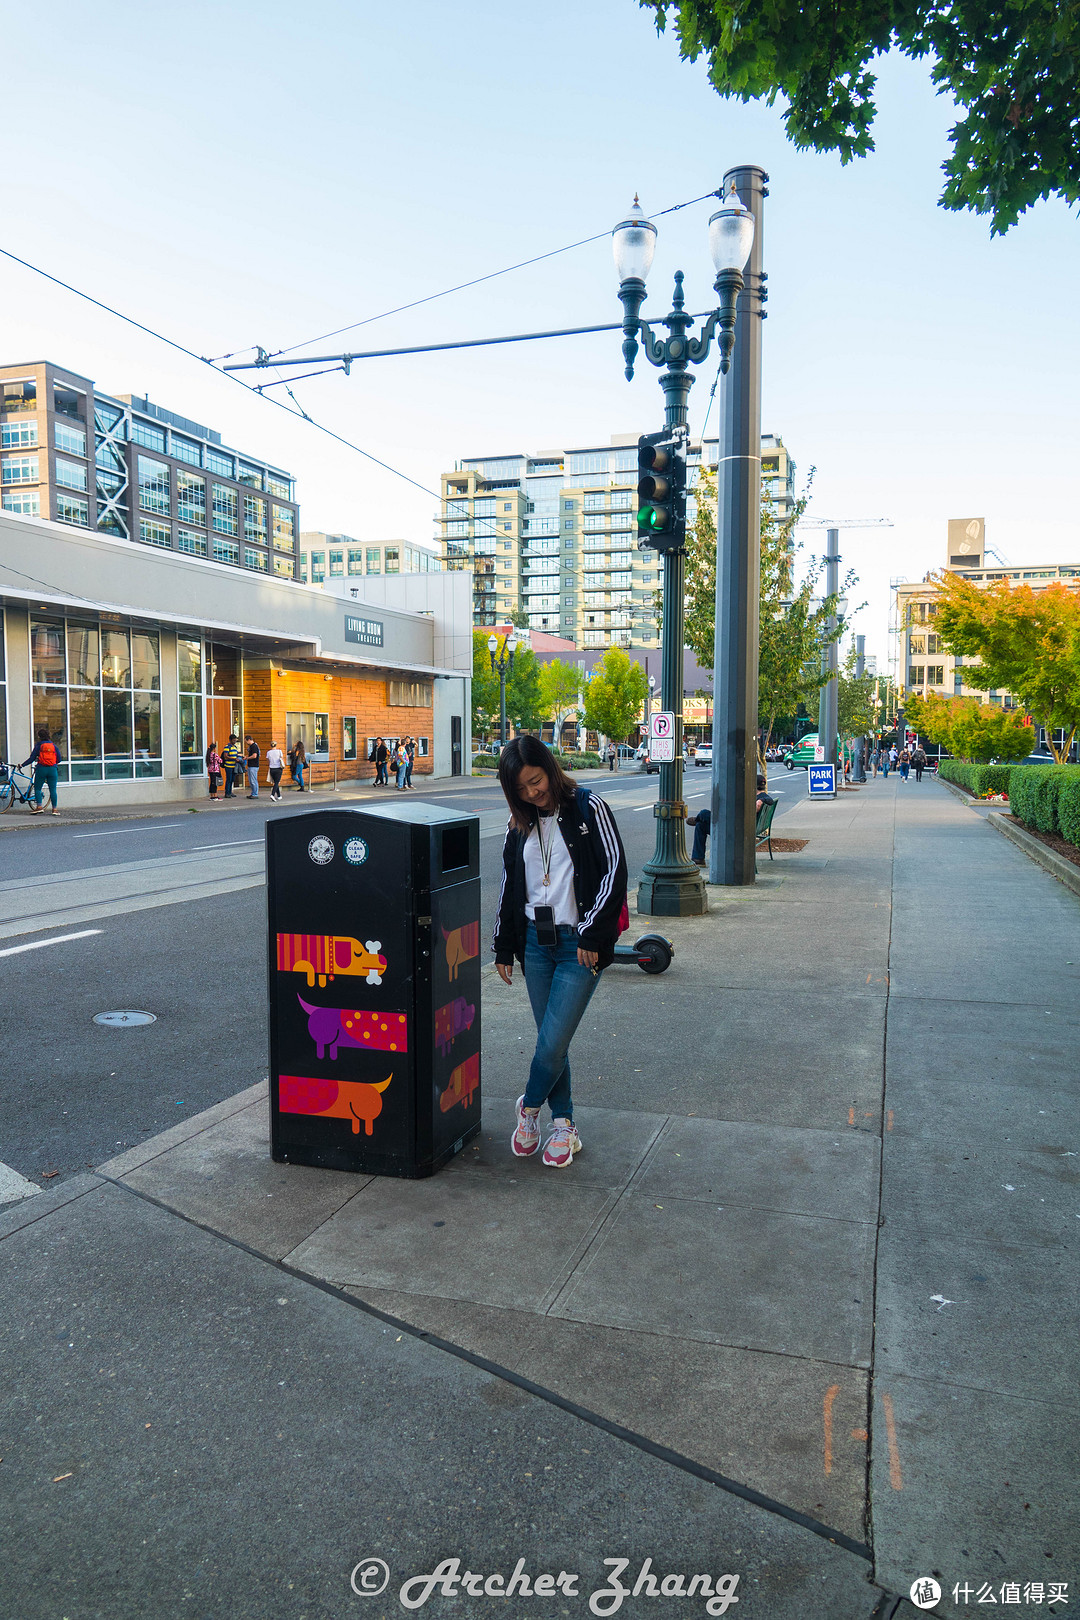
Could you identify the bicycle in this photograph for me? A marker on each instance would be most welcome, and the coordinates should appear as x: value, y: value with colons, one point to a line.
x: 10, y: 790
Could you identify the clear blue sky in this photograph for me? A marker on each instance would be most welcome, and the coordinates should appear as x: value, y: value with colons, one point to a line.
x: 237, y: 174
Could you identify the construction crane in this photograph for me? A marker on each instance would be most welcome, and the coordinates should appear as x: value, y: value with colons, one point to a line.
x: 827, y: 702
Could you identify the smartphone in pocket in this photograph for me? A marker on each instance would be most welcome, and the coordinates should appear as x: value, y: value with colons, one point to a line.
x: 546, y: 932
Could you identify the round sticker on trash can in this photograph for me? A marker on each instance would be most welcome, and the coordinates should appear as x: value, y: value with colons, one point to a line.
x: 321, y: 849
x: 354, y: 851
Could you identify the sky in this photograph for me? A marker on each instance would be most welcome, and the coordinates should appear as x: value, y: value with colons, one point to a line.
x: 232, y: 175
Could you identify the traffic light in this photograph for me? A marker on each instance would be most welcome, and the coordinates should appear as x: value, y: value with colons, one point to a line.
x: 661, y: 515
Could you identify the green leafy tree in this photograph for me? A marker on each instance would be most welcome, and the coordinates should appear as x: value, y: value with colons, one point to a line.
x: 1012, y: 70
x: 560, y: 688
x: 523, y: 702
x: 1027, y: 642
x: 854, y: 700
x: 614, y: 696
x: 969, y: 729
x: 793, y: 628
x: 519, y: 618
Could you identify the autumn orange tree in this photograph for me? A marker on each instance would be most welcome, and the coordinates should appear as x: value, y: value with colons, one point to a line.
x: 969, y: 729
x: 1026, y: 642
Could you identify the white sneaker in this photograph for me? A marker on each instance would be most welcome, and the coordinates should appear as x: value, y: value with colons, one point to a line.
x: 526, y: 1137
x: 562, y: 1144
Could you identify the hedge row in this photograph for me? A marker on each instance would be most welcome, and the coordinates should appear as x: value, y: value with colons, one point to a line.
x: 1045, y: 798
x: 978, y: 779
x: 569, y: 762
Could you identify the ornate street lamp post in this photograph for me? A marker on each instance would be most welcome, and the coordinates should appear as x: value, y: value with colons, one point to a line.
x: 671, y: 885
x: 504, y: 664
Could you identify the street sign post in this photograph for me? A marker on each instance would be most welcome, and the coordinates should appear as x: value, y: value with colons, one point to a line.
x: 662, y: 724
x: 821, y: 781
x: 662, y: 750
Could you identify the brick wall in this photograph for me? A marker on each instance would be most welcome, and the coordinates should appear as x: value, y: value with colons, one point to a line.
x: 271, y: 694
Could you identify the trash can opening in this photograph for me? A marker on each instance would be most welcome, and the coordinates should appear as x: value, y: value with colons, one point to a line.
x: 455, y: 847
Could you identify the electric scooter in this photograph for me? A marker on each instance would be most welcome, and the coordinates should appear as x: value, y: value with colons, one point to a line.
x: 651, y: 952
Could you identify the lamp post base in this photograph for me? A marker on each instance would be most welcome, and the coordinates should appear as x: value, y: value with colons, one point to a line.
x: 672, y: 892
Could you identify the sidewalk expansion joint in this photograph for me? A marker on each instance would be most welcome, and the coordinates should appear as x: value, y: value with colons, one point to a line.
x: 664, y: 1454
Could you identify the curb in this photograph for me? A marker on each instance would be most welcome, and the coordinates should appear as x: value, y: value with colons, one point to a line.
x: 1055, y: 864
x: 961, y: 793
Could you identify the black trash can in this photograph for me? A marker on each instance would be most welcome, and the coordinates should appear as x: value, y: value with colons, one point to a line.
x: 374, y: 957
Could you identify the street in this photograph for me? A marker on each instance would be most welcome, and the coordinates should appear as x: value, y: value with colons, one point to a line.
x: 171, y: 914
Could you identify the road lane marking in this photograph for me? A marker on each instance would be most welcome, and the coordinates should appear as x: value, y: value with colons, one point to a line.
x: 233, y: 843
x: 38, y: 944
x: 896, y: 1479
x: 163, y: 827
x: 830, y: 1395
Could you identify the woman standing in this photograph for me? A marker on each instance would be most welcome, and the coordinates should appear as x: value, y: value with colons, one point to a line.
x: 45, y: 758
x: 400, y: 764
x: 297, y: 761
x: 213, y: 769
x: 560, y: 912
x: 275, y: 764
x: 410, y: 759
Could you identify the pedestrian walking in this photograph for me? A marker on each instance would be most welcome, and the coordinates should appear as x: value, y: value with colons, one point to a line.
x: 275, y: 765
x: 213, y: 769
x: 297, y: 761
x: 231, y: 759
x: 874, y: 756
x: 252, y: 756
x: 45, y: 758
x: 905, y: 764
x: 380, y: 757
x: 612, y: 756
x: 918, y: 759
x: 410, y: 758
x: 561, y: 908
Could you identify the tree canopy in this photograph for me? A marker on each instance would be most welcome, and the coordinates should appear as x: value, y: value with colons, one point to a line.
x: 1027, y: 642
x: 970, y: 729
x: 615, y: 695
x: 1011, y: 66
x: 793, y: 624
x: 523, y: 706
x: 560, y: 688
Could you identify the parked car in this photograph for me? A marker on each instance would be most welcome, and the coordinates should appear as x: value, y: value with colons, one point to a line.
x: 803, y: 752
x: 703, y: 756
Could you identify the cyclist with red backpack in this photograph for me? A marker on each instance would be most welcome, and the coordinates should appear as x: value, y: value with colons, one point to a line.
x: 45, y: 758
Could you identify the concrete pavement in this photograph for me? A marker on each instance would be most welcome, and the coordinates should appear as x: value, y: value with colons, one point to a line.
x: 804, y: 1308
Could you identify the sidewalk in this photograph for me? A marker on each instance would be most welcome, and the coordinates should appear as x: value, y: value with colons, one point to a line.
x: 804, y: 1309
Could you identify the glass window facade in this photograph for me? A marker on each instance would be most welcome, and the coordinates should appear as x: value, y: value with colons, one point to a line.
x: 19, y: 469
x: 255, y: 519
x: 191, y: 542
x: 185, y: 450
x: 226, y: 508
x: 226, y: 551
x: 283, y: 566
x: 27, y: 502
x: 191, y: 499
x: 255, y: 559
x: 70, y: 509
x: 279, y: 486
x: 22, y: 433
x: 154, y: 493
x: 284, y: 526
x: 155, y: 534
x: 71, y: 474
x: 70, y: 439
x: 249, y: 475
x: 146, y: 434
x: 97, y: 686
x: 217, y: 461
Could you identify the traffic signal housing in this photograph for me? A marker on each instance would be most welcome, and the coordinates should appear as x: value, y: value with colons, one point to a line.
x: 661, y: 511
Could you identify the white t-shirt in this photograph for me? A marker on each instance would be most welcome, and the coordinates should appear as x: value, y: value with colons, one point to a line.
x: 275, y: 760
x: 560, y: 890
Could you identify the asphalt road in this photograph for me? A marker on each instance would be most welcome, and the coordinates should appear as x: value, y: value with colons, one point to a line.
x: 76, y: 1093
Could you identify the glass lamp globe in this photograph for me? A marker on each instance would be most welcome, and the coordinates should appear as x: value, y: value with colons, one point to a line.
x: 633, y: 243
x: 492, y: 644
x: 731, y: 233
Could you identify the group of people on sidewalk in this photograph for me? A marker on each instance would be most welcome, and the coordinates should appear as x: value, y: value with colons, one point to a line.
x: 902, y: 760
x: 398, y: 757
x: 234, y: 763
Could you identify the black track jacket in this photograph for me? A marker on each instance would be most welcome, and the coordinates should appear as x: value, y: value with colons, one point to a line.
x: 590, y: 834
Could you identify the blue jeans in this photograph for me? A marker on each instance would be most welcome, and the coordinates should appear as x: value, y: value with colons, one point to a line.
x: 559, y: 992
x: 253, y: 780
x: 702, y: 829
x: 45, y: 777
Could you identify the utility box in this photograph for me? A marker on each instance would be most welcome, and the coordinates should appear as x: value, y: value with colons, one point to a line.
x: 374, y: 966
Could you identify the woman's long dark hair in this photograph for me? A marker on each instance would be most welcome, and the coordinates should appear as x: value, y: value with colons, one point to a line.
x: 523, y: 752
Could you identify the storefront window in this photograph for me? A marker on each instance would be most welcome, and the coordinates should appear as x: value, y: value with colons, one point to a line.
x: 348, y: 741
x: 83, y: 678
x: 322, y: 736
x: 189, y: 664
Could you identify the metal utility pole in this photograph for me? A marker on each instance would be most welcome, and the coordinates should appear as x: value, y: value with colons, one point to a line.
x: 858, y: 763
x: 738, y: 569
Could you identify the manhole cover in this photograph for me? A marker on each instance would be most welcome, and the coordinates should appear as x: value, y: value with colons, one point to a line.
x: 123, y: 1020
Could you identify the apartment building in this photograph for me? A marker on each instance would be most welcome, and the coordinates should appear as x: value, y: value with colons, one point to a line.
x: 555, y: 534
x: 923, y: 664
x: 339, y: 556
x: 121, y: 466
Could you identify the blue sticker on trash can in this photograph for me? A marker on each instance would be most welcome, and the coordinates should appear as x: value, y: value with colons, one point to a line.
x: 355, y: 851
